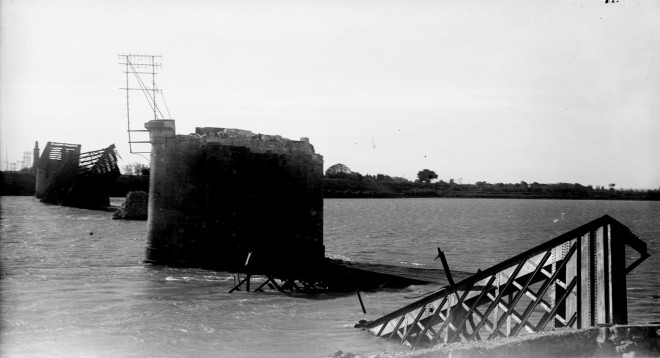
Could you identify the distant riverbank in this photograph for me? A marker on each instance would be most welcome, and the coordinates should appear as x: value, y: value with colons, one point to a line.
x: 341, y: 188
x: 22, y: 183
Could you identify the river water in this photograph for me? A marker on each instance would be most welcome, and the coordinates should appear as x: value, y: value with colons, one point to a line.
x: 73, y: 283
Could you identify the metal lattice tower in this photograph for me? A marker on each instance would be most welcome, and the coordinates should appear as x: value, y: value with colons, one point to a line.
x: 135, y: 66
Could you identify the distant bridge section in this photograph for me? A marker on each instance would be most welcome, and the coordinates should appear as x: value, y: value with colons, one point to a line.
x: 65, y: 176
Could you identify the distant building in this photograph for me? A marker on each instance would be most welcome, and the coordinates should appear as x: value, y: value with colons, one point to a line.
x: 35, y: 155
x: 27, y: 160
x: 18, y: 165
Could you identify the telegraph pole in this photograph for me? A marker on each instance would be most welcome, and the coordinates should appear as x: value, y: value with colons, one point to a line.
x: 134, y: 66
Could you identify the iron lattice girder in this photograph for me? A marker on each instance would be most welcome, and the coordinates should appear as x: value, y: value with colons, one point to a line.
x: 99, y: 162
x: 55, y: 153
x: 285, y: 284
x: 554, y: 266
x: 475, y: 295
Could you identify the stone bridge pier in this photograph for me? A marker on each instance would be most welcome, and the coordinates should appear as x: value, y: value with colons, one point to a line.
x: 219, y: 196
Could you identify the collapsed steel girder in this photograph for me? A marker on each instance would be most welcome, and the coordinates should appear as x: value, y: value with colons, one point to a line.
x: 65, y: 176
x: 99, y: 162
x: 575, y: 280
x: 288, y: 284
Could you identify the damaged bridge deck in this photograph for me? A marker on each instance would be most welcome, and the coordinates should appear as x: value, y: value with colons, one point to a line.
x: 65, y: 176
x: 576, y: 280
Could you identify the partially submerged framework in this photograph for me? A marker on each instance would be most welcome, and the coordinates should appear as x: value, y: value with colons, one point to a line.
x: 65, y: 176
x: 576, y: 280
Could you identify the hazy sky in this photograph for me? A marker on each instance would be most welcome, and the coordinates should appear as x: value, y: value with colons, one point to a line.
x: 499, y: 91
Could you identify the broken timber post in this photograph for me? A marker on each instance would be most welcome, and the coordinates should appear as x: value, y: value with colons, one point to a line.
x: 445, y: 266
x: 361, y: 303
x: 575, y: 280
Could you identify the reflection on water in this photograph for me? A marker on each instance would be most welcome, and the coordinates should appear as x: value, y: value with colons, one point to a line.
x: 73, y: 282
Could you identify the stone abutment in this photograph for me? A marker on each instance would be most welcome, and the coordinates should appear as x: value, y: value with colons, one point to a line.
x: 219, y: 195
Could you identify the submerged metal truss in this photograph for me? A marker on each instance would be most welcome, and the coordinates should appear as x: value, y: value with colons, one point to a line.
x: 575, y: 280
x: 288, y: 284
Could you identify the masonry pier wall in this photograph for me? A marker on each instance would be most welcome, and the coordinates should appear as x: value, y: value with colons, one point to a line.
x: 219, y: 195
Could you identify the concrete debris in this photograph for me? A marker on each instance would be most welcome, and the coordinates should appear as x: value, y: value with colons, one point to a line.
x: 134, y: 207
x: 233, y: 133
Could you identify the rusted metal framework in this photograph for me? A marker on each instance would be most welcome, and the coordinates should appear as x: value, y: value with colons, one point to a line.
x: 575, y: 280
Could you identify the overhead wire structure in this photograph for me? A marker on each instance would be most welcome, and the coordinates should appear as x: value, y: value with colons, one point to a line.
x: 136, y: 65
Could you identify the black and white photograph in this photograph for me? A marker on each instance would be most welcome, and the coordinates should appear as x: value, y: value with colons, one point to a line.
x: 342, y: 179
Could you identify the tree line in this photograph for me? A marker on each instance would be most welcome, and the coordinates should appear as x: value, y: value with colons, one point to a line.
x: 342, y: 171
x: 341, y: 181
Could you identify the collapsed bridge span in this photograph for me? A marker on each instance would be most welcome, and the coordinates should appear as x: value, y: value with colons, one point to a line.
x: 576, y: 280
x: 65, y: 176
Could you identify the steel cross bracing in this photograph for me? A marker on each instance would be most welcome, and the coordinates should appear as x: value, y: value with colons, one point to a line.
x: 575, y: 280
x: 99, y: 162
x: 281, y: 284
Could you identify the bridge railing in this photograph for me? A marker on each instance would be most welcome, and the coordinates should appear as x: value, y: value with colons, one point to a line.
x: 577, y: 280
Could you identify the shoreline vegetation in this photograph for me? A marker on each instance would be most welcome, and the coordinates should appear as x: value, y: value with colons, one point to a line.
x: 342, y: 188
x: 355, y: 185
